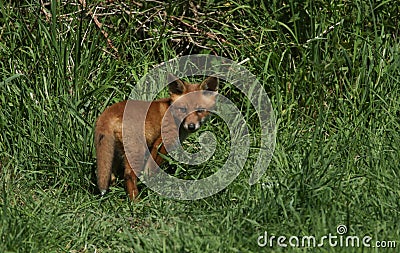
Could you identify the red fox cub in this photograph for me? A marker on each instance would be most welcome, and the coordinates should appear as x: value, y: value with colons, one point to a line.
x: 184, y: 111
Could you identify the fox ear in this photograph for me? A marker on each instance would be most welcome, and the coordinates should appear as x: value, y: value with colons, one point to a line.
x: 210, y: 84
x: 175, y: 85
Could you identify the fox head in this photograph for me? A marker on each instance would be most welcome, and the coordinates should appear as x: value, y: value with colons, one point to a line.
x: 192, y: 103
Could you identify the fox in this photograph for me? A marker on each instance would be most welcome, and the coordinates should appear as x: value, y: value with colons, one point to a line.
x: 143, y: 122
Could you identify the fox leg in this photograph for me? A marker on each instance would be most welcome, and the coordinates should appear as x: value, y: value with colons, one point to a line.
x: 130, y: 180
x: 105, y: 148
x: 150, y: 166
x: 156, y: 150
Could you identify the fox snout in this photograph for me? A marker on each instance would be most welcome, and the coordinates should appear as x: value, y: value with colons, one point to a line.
x: 192, y: 127
x: 195, y: 120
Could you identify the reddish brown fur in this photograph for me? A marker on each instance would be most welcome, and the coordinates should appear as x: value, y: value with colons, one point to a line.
x: 110, y: 148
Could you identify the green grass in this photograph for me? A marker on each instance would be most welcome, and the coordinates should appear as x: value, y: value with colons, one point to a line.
x: 331, y: 69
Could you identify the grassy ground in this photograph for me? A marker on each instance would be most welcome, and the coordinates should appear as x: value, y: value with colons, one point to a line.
x: 331, y: 69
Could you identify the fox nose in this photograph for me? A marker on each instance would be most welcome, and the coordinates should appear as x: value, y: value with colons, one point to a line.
x: 191, y: 127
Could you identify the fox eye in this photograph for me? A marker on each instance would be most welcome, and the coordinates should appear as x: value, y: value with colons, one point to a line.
x: 201, y: 109
x: 182, y: 109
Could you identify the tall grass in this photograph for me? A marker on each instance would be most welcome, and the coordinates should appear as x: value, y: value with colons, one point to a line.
x: 332, y: 73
